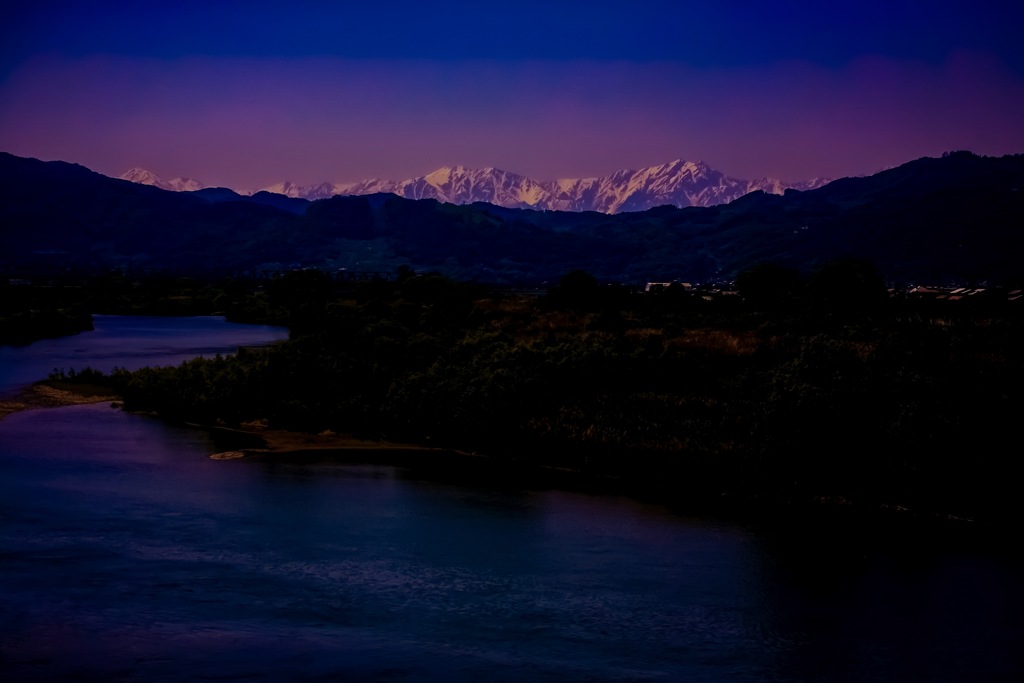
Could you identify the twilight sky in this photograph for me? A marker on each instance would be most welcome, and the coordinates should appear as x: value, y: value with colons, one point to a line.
x: 246, y: 94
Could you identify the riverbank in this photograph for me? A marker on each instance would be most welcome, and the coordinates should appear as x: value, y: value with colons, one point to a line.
x: 272, y: 442
x: 489, y: 471
x: 284, y: 443
x: 254, y: 442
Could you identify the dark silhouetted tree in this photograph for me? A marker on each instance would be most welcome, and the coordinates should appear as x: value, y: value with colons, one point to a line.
x: 577, y: 289
x: 767, y: 285
x: 847, y: 286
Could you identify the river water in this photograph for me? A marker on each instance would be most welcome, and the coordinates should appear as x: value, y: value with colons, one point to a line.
x: 126, y: 554
x: 130, y: 342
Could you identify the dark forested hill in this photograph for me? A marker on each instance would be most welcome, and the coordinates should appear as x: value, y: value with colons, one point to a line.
x: 958, y: 217
x: 55, y: 213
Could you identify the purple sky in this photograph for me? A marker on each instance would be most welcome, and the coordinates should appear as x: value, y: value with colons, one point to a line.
x: 248, y: 94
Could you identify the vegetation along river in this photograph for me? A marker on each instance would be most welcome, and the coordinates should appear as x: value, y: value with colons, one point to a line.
x: 126, y: 553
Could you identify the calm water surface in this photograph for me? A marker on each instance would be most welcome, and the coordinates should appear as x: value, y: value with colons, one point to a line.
x: 127, y: 554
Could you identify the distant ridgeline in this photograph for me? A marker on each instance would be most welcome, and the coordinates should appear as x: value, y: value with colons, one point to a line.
x: 959, y: 217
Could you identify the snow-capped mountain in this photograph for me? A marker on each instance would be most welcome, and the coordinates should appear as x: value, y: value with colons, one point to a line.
x: 144, y: 177
x: 678, y: 183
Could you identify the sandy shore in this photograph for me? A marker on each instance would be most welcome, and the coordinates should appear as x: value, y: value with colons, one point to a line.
x: 45, y: 396
x: 275, y: 441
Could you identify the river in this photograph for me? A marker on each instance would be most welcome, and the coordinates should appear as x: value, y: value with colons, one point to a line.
x: 127, y: 554
x: 130, y: 342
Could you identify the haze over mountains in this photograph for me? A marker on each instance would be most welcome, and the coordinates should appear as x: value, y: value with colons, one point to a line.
x: 677, y: 183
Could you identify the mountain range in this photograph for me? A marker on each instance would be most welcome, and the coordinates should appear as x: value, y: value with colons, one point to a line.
x: 678, y: 183
x: 955, y: 218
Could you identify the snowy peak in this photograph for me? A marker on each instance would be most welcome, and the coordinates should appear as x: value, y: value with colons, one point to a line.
x: 679, y: 183
x: 144, y: 177
x: 461, y: 185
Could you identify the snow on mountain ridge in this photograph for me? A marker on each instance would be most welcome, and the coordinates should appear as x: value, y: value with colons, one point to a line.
x: 678, y: 183
x: 311, y: 192
x: 144, y: 177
